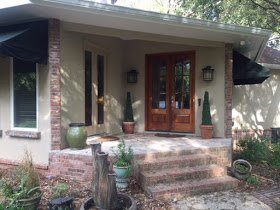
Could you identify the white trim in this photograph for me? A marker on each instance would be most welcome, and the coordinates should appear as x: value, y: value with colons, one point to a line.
x: 148, y: 16
x: 271, y: 66
x: 12, y: 98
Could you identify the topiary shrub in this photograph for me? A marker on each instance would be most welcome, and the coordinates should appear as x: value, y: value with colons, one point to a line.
x: 128, y: 115
x: 206, y: 115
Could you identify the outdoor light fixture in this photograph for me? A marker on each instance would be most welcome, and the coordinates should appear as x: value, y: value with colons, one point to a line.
x: 208, y: 73
x: 132, y: 76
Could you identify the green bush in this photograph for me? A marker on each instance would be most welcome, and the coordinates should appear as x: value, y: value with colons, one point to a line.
x: 275, y: 155
x: 253, y: 180
x: 123, y: 154
x: 128, y: 115
x: 255, y: 149
x: 60, y: 190
x: 206, y: 116
x: 21, y: 182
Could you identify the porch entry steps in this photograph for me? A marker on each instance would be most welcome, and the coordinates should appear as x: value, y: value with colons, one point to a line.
x: 177, y: 175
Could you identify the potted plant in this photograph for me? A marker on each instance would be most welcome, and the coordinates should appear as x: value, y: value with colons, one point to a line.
x: 123, y: 164
x: 206, y: 126
x: 128, y: 123
x: 60, y: 198
x: 76, y: 135
x: 241, y: 169
x: 21, y: 186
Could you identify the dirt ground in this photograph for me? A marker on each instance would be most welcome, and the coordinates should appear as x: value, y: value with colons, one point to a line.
x: 80, y: 191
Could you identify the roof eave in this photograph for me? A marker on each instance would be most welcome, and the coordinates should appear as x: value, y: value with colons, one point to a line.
x: 148, y: 16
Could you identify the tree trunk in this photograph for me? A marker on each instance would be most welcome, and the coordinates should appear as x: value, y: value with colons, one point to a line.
x: 95, y: 149
x: 112, y: 192
x: 103, y: 170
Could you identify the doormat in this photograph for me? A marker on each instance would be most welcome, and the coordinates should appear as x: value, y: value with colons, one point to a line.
x: 169, y: 135
x: 107, y: 138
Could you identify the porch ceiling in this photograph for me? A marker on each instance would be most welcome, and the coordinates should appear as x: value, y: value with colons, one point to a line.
x: 120, y: 18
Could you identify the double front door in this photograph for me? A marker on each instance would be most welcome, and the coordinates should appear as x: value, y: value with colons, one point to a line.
x: 170, y: 92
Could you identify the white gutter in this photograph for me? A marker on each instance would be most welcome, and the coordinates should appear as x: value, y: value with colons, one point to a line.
x: 147, y: 16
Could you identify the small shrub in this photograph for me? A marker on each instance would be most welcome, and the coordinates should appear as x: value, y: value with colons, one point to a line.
x: 60, y: 190
x: 206, y: 115
x: 241, y: 168
x: 123, y: 154
x: 255, y: 149
x: 253, y: 180
x: 275, y: 155
x: 128, y: 115
x: 19, y: 183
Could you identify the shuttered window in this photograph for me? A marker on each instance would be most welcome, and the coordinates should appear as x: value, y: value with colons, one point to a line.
x: 24, y: 94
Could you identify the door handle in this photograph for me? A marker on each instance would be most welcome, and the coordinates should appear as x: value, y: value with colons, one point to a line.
x: 100, y: 100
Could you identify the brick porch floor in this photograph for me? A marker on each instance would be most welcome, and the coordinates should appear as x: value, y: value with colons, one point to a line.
x: 77, y: 164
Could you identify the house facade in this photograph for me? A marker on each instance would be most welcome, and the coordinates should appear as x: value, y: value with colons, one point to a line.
x: 91, y: 47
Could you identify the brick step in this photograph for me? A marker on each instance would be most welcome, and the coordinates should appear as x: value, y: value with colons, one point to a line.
x: 185, y: 151
x: 191, y: 187
x: 153, y: 177
x: 177, y: 161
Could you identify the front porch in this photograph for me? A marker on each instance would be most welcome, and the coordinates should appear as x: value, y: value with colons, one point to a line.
x: 77, y: 164
x: 163, y: 167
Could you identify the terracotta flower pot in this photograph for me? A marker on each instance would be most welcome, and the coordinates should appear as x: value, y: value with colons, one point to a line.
x: 206, y: 131
x: 128, y: 127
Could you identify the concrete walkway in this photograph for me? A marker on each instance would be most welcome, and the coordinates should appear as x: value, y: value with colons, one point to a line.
x: 228, y: 200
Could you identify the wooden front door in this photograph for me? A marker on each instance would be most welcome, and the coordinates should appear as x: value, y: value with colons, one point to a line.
x: 170, y: 92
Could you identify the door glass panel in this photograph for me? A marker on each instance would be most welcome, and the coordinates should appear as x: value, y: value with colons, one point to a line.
x: 100, y: 93
x: 88, y: 88
x: 182, y: 84
x: 159, y: 68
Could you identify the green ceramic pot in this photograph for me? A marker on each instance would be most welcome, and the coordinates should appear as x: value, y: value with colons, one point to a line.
x: 77, y: 135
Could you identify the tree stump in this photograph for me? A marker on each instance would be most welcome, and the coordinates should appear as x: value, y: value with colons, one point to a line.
x: 104, y: 181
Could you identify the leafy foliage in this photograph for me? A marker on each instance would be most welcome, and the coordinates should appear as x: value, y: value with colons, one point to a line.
x: 20, y: 183
x: 60, y: 190
x: 253, y: 180
x: 275, y: 160
x: 123, y: 154
x: 128, y: 117
x: 259, y: 149
x: 206, y: 115
x: 241, y: 168
x: 255, y: 149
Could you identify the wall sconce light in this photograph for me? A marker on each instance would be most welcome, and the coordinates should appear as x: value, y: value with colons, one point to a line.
x: 208, y: 73
x: 132, y: 76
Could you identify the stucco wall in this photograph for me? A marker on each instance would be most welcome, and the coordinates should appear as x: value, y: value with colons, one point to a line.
x: 134, y: 54
x: 13, y: 148
x: 257, y: 106
x: 72, y: 69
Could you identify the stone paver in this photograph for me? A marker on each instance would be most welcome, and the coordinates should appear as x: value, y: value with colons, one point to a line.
x: 147, y: 142
x: 270, y: 197
x: 228, y: 200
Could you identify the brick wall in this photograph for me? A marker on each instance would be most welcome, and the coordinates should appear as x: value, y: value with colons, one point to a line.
x: 228, y: 90
x: 55, y: 90
x: 74, y: 166
x: 237, y: 134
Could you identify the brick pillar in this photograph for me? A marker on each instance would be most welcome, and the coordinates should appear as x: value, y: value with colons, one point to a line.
x: 55, y: 91
x: 228, y: 90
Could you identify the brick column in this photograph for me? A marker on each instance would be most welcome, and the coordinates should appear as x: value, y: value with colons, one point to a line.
x: 228, y: 90
x: 55, y: 91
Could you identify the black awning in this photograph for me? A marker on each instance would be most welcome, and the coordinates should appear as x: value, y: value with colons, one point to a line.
x: 247, y: 71
x: 27, y: 42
